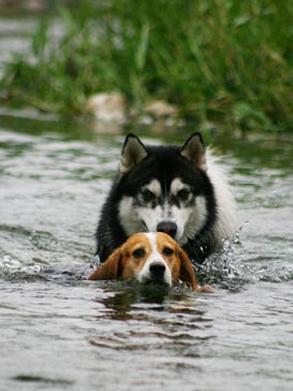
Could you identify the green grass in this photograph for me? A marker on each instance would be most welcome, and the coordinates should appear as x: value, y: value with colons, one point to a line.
x: 224, y: 61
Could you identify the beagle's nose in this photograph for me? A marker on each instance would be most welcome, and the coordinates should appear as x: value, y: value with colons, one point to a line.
x: 169, y: 227
x: 157, y: 269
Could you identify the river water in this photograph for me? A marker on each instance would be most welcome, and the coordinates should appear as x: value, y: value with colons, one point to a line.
x: 60, y: 332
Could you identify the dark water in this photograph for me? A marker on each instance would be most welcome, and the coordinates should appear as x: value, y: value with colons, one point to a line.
x: 59, y: 332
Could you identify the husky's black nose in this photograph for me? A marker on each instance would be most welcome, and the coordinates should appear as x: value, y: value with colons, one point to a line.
x: 168, y: 227
x: 157, y: 269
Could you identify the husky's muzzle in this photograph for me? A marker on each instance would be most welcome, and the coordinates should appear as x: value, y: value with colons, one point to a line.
x: 168, y: 227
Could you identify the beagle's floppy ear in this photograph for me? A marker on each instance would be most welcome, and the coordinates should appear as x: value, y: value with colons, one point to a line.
x: 186, y: 270
x: 187, y: 273
x: 133, y: 152
x: 110, y: 269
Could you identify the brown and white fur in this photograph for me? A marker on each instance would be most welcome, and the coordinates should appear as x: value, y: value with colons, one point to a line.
x: 150, y: 258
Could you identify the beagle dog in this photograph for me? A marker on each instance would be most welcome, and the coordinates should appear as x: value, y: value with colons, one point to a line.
x: 149, y: 258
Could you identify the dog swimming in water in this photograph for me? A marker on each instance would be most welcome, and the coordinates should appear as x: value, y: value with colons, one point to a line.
x: 178, y: 190
x: 150, y: 258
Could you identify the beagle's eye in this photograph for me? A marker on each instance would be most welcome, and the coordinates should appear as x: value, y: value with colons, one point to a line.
x: 148, y: 195
x: 139, y: 253
x: 168, y: 251
x: 183, y: 194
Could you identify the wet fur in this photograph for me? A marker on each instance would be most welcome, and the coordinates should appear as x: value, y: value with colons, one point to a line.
x: 123, y: 263
x: 165, y: 163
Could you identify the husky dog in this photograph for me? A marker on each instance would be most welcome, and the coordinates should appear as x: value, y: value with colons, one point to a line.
x: 171, y: 189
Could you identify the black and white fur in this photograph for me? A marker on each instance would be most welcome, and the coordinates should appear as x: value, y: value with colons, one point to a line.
x: 177, y: 190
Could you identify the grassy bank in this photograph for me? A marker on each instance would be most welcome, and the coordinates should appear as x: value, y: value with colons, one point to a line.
x: 223, y: 61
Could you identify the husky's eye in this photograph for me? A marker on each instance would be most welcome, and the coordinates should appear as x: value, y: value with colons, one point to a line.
x: 183, y: 194
x: 168, y: 251
x: 139, y: 253
x: 147, y: 195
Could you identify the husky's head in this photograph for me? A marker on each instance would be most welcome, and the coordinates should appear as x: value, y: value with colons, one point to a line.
x: 165, y: 188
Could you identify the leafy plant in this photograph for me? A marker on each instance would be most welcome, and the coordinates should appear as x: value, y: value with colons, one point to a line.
x: 218, y: 60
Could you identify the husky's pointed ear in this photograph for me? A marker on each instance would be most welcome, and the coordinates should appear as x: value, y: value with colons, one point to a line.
x: 194, y: 150
x: 111, y: 269
x: 133, y: 152
x: 187, y: 274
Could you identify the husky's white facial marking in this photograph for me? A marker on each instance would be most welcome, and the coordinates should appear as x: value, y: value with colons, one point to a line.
x: 148, y: 209
x: 177, y: 185
x: 141, y: 213
x: 129, y: 217
x: 154, y: 187
x: 193, y: 219
x: 139, y: 218
x: 155, y: 257
x: 191, y: 214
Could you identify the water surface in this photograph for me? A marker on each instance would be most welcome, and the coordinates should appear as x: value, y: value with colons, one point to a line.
x: 60, y: 332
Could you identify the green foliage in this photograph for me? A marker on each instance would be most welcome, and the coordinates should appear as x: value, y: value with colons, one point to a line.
x: 219, y: 60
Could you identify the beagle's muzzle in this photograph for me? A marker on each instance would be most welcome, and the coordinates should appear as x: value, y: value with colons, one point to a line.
x: 149, y: 258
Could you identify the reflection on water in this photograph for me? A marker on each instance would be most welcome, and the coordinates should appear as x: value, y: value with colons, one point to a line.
x: 59, y: 331
x: 166, y: 320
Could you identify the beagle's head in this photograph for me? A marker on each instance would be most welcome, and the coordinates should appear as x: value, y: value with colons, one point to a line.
x: 149, y: 258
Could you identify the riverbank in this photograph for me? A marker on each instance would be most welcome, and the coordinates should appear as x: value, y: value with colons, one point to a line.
x: 208, y: 62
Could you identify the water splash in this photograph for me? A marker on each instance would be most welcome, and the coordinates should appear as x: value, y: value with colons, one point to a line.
x: 13, y: 269
x: 226, y: 271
